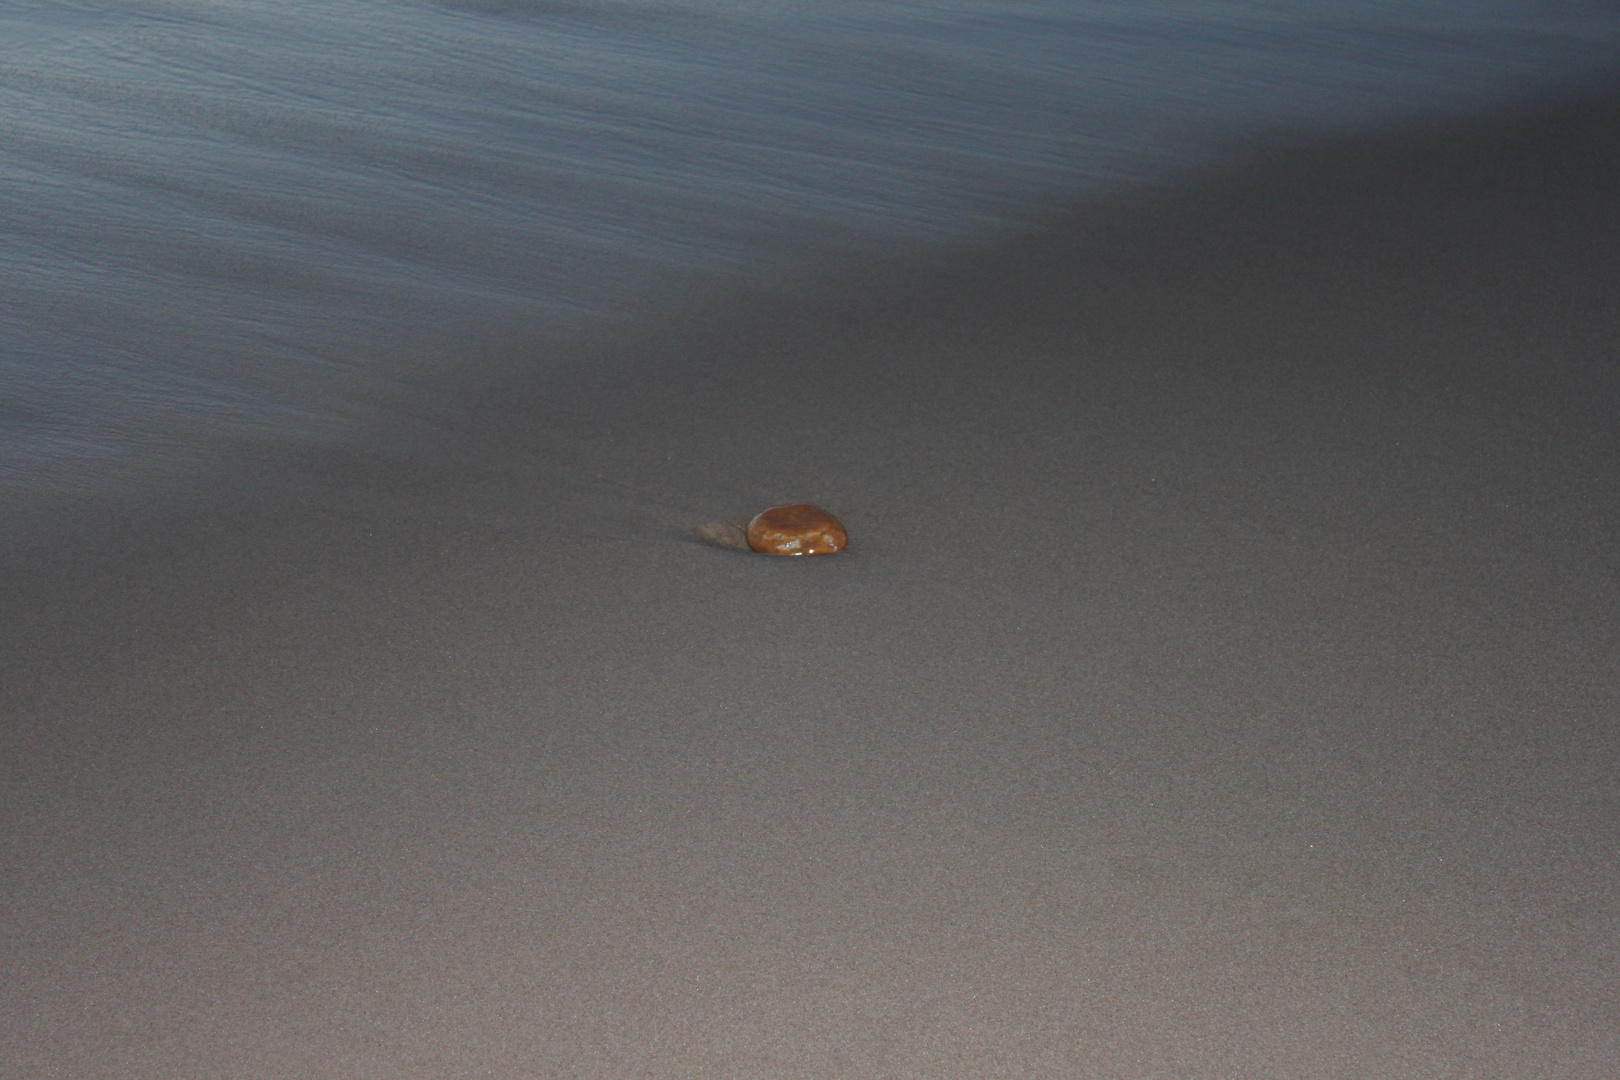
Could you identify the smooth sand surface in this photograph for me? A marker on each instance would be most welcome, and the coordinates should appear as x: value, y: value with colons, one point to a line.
x: 1221, y: 680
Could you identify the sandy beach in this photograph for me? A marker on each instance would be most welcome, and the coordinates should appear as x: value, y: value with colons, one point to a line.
x: 1221, y: 680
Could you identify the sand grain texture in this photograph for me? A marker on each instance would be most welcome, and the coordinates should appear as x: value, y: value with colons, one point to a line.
x: 1223, y: 684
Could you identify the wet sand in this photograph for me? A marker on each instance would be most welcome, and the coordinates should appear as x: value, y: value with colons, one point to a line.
x: 1220, y: 681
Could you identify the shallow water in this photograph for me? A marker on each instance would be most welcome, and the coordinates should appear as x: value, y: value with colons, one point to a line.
x: 289, y: 222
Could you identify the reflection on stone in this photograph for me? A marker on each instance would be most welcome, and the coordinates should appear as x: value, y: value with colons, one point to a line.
x: 800, y: 529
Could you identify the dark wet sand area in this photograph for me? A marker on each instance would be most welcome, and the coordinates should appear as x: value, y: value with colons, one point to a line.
x: 1222, y: 680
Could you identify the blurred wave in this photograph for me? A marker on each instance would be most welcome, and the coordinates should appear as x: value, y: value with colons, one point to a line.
x: 291, y: 221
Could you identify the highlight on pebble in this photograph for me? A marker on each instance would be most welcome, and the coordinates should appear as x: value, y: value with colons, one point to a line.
x: 800, y: 529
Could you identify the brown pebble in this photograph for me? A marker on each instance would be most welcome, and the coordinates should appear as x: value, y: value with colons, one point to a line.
x: 800, y: 529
